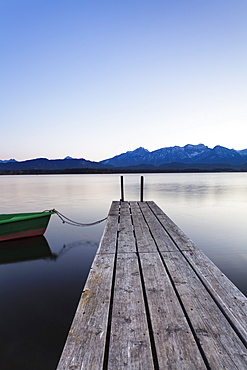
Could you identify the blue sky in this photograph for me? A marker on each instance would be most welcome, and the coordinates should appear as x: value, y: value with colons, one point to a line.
x: 92, y: 79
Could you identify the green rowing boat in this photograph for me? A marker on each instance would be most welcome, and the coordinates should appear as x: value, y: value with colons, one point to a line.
x: 23, y: 225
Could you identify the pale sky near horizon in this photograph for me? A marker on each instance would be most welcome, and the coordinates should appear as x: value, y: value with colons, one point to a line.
x: 93, y: 79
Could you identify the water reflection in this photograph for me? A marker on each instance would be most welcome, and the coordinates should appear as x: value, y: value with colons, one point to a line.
x: 36, y: 248
x: 206, y: 187
x: 40, y: 293
x: 28, y: 249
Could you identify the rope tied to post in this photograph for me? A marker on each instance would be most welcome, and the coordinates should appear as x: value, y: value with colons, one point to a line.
x: 67, y: 220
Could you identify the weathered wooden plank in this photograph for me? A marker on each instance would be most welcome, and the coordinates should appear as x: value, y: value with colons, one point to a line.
x: 162, y: 239
x: 220, y: 343
x: 126, y: 239
x: 129, y: 342
x: 227, y: 295
x: 188, y: 327
x: 178, y: 236
x: 144, y: 239
x: 85, y: 345
x: 175, y: 345
x: 114, y: 208
x: 124, y: 208
x: 108, y: 241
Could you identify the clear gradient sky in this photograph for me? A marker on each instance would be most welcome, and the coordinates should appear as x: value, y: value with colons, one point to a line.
x: 95, y: 78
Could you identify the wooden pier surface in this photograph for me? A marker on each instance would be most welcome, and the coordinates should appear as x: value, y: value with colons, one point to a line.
x: 153, y: 300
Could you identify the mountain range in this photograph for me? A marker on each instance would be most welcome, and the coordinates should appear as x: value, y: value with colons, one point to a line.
x: 190, y: 154
x: 169, y: 158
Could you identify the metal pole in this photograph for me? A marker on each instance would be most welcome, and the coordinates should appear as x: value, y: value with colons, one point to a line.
x: 122, y: 190
x: 141, y: 194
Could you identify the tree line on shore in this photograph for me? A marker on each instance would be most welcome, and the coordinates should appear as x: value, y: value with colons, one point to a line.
x: 113, y: 171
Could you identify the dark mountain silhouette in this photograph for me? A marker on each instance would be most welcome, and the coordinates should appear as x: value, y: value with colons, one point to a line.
x: 50, y: 164
x: 190, y: 156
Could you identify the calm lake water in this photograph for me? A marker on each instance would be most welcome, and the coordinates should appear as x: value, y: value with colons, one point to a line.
x: 41, y: 280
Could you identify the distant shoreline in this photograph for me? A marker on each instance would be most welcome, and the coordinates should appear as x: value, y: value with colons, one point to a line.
x: 79, y: 171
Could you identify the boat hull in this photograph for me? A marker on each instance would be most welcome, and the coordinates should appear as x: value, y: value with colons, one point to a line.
x: 23, y: 225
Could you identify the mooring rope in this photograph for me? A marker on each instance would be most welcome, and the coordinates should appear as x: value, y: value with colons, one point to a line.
x: 74, y: 223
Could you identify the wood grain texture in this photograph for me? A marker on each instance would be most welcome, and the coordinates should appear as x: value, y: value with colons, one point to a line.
x: 129, y: 342
x: 159, y: 233
x: 114, y: 208
x: 177, y: 235
x: 218, y: 340
x: 153, y: 300
x: 227, y: 295
x: 85, y: 345
x: 175, y: 344
x: 144, y: 239
x: 126, y: 239
x: 108, y: 241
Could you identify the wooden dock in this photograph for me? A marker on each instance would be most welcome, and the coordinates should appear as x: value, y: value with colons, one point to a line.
x: 153, y: 300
